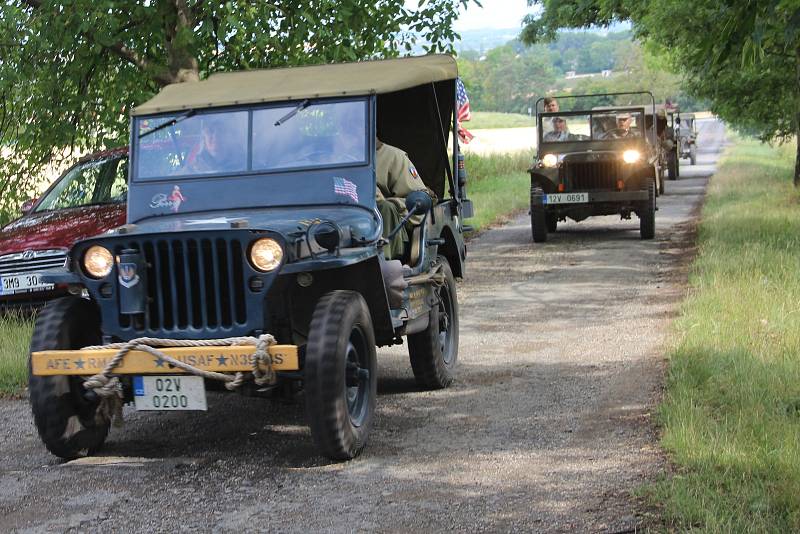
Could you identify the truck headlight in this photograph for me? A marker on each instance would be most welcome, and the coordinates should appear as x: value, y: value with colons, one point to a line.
x: 631, y: 156
x: 266, y: 254
x: 550, y: 160
x: 98, y: 261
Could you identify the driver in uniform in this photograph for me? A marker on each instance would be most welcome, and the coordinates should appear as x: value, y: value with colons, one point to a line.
x: 396, y: 177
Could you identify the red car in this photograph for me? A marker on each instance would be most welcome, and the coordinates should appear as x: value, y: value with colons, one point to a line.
x: 88, y: 199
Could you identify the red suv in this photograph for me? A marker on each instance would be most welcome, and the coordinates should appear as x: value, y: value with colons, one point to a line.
x: 88, y: 199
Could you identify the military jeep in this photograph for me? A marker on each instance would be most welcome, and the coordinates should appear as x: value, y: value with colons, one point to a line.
x: 252, y: 220
x: 686, y: 134
x: 596, y: 161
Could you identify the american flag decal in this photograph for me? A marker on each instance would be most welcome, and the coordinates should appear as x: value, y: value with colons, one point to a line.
x: 343, y: 186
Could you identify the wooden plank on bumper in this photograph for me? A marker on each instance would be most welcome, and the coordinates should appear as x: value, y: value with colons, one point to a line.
x: 220, y: 359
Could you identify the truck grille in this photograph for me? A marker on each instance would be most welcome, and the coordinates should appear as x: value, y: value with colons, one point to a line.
x: 592, y: 175
x: 192, y: 283
x: 32, y: 261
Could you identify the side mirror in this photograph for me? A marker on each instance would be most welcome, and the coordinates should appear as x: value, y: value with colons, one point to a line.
x: 27, y: 206
x: 418, y: 202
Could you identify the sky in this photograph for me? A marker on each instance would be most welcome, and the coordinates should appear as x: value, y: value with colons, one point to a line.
x: 500, y: 14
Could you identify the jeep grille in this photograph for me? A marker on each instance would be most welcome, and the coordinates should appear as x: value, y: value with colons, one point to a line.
x: 193, y: 283
x: 33, y: 261
x: 592, y: 175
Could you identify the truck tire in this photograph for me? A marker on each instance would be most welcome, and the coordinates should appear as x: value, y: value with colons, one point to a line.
x: 672, y: 165
x: 552, y: 222
x: 341, y: 375
x: 434, y: 351
x: 538, y: 218
x: 647, y: 213
x: 693, y: 154
x: 68, y: 423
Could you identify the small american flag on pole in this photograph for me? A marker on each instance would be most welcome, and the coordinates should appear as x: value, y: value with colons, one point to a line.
x: 464, y: 113
x: 343, y: 186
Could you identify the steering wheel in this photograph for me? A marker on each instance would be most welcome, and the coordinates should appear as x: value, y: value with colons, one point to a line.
x: 614, y: 133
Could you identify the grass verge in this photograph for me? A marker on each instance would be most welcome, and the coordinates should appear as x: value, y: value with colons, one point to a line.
x: 731, y: 413
x: 15, y: 338
x: 492, y: 119
x: 498, y: 185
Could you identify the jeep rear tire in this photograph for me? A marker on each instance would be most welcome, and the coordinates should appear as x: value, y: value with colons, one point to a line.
x: 647, y: 213
x: 341, y: 375
x: 434, y: 351
x: 672, y: 165
x: 693, y: 154
x: 538, y: 218
x: 69, y: 424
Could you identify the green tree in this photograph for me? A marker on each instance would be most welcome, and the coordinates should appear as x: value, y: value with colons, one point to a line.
x: 71, y: 70
x: 742, y: 56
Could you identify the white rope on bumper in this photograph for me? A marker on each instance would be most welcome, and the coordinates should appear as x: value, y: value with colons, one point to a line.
x: 109, y: 388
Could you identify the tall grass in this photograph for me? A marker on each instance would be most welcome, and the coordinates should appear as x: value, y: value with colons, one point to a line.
x: 15, y: 338
x: 731, y: 413
x: 498, y: 185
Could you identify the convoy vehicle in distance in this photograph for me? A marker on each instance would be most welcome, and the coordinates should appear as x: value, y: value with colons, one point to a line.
x: 596, y: 162
x: 252, y: 219
x: 686, y: 134
x: 88, y: 199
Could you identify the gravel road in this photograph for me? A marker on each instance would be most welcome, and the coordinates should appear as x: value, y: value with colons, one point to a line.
x: 548, y: 427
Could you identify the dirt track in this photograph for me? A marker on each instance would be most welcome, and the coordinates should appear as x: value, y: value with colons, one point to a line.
x: 547, y: 429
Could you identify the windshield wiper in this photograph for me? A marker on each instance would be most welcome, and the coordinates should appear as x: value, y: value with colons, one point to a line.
x: 171, y: 122
x: 300, y: 107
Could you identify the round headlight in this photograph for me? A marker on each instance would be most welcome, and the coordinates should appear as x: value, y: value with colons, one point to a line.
x: 265, y: 254
x: 631, y: 156
x: 98, y: 261
x: 550, y: 160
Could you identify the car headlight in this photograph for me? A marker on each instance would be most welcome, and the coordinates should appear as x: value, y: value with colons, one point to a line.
x: 266, y: 254
x: 631, y: 156
x: 98, y: 261
x: 550, y: 160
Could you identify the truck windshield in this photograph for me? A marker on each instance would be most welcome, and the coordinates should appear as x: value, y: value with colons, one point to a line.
x: 593, y: 126
x: 318, y: 134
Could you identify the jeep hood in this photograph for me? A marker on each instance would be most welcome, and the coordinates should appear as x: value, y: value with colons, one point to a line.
x: 60, y: 228
x: 361, y: 222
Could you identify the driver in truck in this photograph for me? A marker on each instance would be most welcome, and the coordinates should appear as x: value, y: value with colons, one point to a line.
x: 396, y: 178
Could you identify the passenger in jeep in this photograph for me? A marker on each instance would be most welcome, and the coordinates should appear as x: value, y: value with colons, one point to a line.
x: 396, y: 178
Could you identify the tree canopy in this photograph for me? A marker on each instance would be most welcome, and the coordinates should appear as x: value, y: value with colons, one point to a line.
x: 741, y: 56
x: 71, y: 70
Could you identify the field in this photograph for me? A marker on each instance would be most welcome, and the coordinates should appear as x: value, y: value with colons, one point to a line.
x: 497, y: 185
x: 731, y: 414
x: 490, y: 119
x: 15, y: 336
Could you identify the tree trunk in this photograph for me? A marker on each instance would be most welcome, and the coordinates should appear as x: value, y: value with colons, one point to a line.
x: 797, y: 117
x: 182, y: 64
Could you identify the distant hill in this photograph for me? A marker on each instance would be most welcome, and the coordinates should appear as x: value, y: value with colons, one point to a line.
x: 485, y: 39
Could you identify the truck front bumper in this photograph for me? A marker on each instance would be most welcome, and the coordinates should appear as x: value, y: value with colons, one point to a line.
x: 222, y: 359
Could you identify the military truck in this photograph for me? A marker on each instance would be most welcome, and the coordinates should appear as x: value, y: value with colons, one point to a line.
x: 596, y: 161
x: 260, y: 264
x: 686, y: 134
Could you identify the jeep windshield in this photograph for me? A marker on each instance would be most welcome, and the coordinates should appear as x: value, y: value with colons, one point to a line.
x: 591, y: 126
x: 291, y: 136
